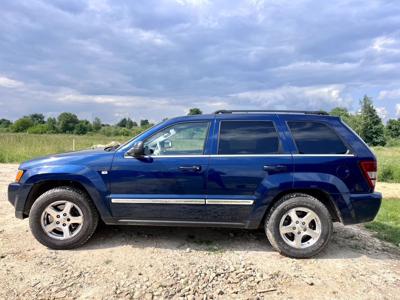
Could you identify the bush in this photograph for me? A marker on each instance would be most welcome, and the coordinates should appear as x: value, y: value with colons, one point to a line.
x: 22, y: 125
x: 38, y: 129
x: 386, y: 174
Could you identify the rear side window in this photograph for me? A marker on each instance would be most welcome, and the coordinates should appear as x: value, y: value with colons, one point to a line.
x: 248, y: 137
x: 316, y: 138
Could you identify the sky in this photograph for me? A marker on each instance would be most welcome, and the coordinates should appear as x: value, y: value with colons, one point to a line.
x: 154, y: 59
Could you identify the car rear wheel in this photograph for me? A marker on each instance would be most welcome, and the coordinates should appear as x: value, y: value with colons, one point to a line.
x: 299, y: 226
x: 63, y: 218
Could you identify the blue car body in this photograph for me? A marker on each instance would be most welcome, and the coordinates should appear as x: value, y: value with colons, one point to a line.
x: 222, y: 190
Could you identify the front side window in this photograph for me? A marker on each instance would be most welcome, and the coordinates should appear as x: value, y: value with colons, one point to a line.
x: 180, y: 139
x: 248, y: 137
x: 316, y: 138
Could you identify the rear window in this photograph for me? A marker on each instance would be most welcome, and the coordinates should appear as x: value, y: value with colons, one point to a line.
x: 248, y: 137
x: 316, y: 138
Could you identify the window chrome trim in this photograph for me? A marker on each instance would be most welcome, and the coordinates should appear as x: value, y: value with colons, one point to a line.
x: 229, y: 202
x: 326, y: 155
x: 237, y: 155
x: 158, y: 201
x: 212, y: 155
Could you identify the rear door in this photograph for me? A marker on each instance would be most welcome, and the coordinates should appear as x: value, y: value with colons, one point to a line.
x: 249, y: 164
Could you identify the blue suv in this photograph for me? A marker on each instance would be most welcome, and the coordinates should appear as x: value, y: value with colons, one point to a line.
x: 292, y: 173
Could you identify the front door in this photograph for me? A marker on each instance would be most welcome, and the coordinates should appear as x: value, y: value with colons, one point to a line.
x: 249, y: 165
x: 168, y: 183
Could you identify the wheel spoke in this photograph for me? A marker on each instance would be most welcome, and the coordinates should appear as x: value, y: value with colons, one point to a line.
x: 52, y: 212
x: 50, y: 227
x: 312, y: 233
x: 286, y: 229
x: 293, y: 215
x: 66, y: 231
x: 67, y: 208
x: 76, y: 220
x: 309, y: 217
x: 297, y: 240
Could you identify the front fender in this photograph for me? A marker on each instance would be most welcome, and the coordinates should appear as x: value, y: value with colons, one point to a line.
x: 90, y: 179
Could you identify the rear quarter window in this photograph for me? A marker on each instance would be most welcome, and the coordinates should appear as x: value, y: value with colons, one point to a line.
x: 316, y: 138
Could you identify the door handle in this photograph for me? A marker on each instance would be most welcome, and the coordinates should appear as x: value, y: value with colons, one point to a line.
x: 276, y: 168
x: 190, y: 168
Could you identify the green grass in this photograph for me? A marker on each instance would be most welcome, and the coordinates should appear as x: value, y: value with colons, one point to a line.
x: 388, y: 163
x: 387, y: 223
x: 18, y: 147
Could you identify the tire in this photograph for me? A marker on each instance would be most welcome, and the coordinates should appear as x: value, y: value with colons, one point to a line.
x: 75, y: 213
x: 284, y: 233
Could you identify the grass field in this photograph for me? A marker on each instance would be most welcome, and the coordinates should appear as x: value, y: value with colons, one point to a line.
x: 387, y: 223
x: 388, y: 163
x: 17, y: 147
x: 20, y: 147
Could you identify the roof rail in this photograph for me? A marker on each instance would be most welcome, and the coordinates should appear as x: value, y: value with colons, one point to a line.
x: 306, y: 112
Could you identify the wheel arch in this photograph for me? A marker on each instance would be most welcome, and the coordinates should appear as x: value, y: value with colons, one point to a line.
x: 319, y: 194
x: 91, y: 192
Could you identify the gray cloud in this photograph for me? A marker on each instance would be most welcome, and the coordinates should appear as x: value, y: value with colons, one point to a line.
x: 158, y: 58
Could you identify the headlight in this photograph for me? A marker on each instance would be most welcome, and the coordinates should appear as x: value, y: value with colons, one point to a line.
x: 19, y: 175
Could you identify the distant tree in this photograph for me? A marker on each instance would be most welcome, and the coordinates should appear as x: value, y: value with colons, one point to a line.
x: 195, y: 111
x: 37, y: 118
x: 371, y: 126
x: 4, y: 123
x: 52, y: 125
x: 350, y: 119
x: 393, y: 128
x: 96, y: 124
x: 144, y: 123
x: 67, y: 122
x: 22, y: 125
x: 122, y: 123
x: 83, y: 127
x: 130, y: 124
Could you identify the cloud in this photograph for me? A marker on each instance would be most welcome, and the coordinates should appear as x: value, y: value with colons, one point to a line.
x: 382, y: 112
x: 157, y: 58
x: 9, y: 83
x: 398, y: 110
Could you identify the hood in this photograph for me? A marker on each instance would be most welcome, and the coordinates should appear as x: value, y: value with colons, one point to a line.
x: 86, y: 157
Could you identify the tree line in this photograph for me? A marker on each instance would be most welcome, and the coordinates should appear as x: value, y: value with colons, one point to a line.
x: 366, y: 122
x: 69, y: 123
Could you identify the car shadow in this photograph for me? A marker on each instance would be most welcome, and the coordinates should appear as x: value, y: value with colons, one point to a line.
x: 347, y: 241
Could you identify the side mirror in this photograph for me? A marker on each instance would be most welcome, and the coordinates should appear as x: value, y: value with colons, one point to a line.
x: 137, y: 150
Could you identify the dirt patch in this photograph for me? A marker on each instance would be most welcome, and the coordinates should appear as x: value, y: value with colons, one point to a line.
x: 388, y: 190
x: 151, y: 263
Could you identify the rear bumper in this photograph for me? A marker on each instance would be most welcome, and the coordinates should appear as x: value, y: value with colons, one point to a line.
x: 17, y: 195
x: 364, y: 207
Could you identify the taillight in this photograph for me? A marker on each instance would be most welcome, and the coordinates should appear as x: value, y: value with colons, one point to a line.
x: 369, y: 170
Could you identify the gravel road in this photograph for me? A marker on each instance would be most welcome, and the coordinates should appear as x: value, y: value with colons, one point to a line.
x: 158, y: 263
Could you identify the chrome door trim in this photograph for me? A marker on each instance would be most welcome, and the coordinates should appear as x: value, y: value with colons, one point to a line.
x: 229, y: 202
x: 157, y: 201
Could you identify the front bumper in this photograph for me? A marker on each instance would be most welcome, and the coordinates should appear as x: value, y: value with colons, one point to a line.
x: 17, y: 195
x: 364, y: 207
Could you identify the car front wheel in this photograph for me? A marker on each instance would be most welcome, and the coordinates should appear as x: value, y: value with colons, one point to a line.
x: 63, y: 218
